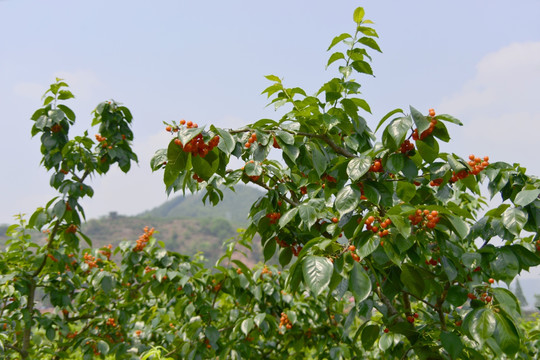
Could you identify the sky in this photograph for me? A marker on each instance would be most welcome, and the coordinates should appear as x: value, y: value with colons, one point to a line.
x: 205, y: 61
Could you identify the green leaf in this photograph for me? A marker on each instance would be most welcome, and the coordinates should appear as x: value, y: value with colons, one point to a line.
x: 50, y: 333
x: 207, y: 166
x: 395, y: 163
x: 253, y: 169
x: 362, y: 67
x: 482, y: 324
x: 370, y: 334
x: 285, y: 256
x: 269, y: 249
x: 358, y: 166
x: 525, y: 197
x: 505, y: 266
x: 449, y: 118
x: 394, y: 134
x: 372, y: 194
x: 359, y: 283
x: 69, y: 113
x: 428, y: 148
x: 514, y: 219
x: 246, y: 326
x: 319, y: 160
x: 449, y: 268
x: 370, y: 43
x: 212, y: 334
x: 422, y: 123
x: 346, y: 200
x: 358, y: 15
x: 385, y: 117
x: 451, y: 343
x: 460, y: 227
x: 288, y: 216
x: 506, y: 334
x: 507, y: 301
x: 103, y: 347
x: 457, y: 295
x: 317, y: 273
x: 334, y: 57
x: 285, y: 136
x: 403, y: 227
x: 226, y: 141
x: 307, y: 214
x: 273, y: 78
x: 405, y: 191
x: 413, y: 280
x: 338, y: 39
x: 526, y: 258
x: 107, y: 283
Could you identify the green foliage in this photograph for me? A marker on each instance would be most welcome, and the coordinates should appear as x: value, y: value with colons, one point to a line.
x: 388, y: 255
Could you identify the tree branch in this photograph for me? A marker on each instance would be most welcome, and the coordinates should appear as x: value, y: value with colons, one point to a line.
x: 23, y: 353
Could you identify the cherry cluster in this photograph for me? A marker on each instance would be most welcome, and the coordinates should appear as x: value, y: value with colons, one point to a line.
x: 406, y: 146
x: 380, y: 229
x: 107, y: 252
x: 251, y: 140
x: 477, y: 165
x: 274, y: 217
x: 142, y: 241
x: 354, y: 255
x: 376, y: 166
x: 197, y: 178
x: 90, y: 260
x: 427, y: 132
x: 295, y: 247
x: 329, y: 178
x: 425, y: 218
x: 266, y: 270
x: 71, y: 229
x: 111, y: 322
x: 412, y: 317
x: 432, y: 262
x: 189, y: 125
x: 284, y: 321
x: 103, y: 141
x: 197, y: 146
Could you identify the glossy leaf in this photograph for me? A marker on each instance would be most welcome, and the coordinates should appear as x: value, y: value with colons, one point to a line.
x: 359, y: 283
x: 317, y: 273
x: 358, y: 166
x: 347, y: 200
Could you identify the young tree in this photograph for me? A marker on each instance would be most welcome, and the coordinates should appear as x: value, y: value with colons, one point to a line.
x: 389, y: 218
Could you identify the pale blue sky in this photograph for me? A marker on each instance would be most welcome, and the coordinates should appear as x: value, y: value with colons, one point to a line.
x: 205, y: 60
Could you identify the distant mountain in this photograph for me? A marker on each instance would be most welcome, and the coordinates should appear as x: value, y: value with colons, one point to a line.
x: 234, y: 207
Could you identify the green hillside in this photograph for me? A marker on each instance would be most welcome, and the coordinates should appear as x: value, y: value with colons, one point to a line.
x: 234, y: 207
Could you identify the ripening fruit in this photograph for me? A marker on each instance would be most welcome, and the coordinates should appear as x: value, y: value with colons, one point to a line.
x: 335, y: 220
x: 168, y: 129
x: 247, y: 145
x: 352, y: 248
x: 431, y: 112
x: 491, y: 280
